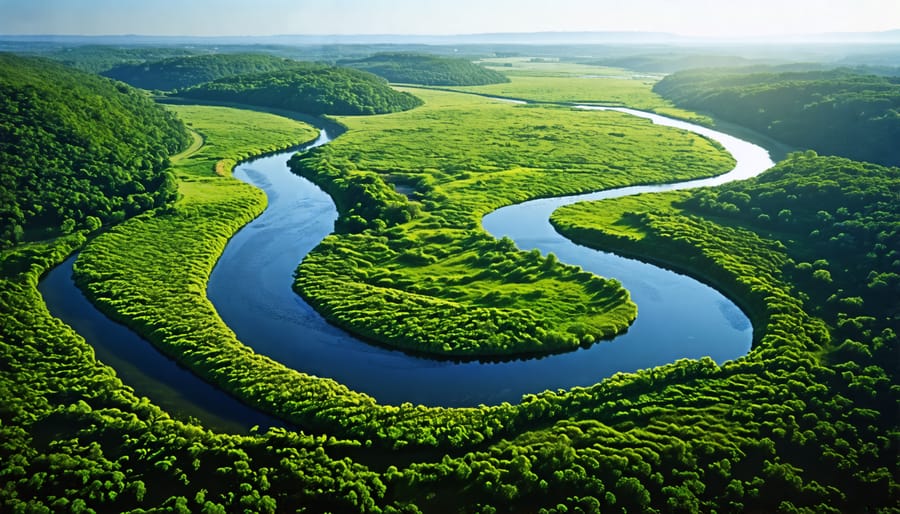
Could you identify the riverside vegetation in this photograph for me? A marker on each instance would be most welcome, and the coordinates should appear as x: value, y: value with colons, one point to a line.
x: 408, y: 237
x: 810, y: 247
x: 854, y: 114
x: 803, y: 423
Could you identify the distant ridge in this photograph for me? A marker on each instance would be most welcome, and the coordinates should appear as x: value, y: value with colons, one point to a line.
x: 518, y: 38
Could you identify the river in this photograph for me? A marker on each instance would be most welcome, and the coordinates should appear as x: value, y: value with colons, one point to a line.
x: 250, y: 287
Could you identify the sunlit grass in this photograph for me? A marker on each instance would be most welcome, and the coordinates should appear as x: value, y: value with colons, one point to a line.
x: 437, y: 283
x: 591, y: 85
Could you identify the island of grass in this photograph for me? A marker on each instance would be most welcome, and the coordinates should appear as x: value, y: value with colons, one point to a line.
x: 308, y: 88
x: 410, y: 266
x: 430, y: 70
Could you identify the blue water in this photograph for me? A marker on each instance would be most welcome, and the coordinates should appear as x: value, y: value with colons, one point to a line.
x: 678, y: 317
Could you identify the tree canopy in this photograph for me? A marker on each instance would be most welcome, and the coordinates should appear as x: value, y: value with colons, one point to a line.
x: 837, y: 112
x: 429, y: 70
x: 310, y: 88
x: 843, y: 216
x: 182, y: 72
x: 77, y: 150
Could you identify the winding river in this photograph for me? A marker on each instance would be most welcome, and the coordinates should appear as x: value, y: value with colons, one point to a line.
x: 250, y: 287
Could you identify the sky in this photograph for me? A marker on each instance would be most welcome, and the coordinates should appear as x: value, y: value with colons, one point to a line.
x: 704, y: 18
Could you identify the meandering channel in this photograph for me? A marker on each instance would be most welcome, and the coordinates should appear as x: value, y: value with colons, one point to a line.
x: 250, y: 287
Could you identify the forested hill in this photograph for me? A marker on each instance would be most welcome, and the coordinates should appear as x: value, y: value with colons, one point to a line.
x: 843, y: 218
x: 428, y: 70
x: 835, y: 112
x: 77, y: 149
x: 182, y: 72
x: 309, y: 88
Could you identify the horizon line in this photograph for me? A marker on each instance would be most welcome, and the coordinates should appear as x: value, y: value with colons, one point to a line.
x: 673, y: 35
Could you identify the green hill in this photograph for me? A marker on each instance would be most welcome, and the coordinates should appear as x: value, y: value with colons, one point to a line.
x: 309, y: 88
x: 182, y: 72
x: 77, y: 149
x: 837, y: 112
x: 428, y: 70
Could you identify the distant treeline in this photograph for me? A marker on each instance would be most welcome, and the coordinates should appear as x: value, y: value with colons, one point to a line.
x: 430, y: 70
x: 667, y: 62
x: 309, y: 88
x: 78, y: 150
x: 837, y: 112
x: 99, y: 58
x: 182, y: 72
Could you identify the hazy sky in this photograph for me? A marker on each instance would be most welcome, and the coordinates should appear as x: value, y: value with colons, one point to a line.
x: 433, y: 17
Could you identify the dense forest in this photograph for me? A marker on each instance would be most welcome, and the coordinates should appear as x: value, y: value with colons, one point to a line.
x: 182, y: 72
x: 78, y: 150
x: 309, y: 88
x: 836, y: 112
x: 845, y: 221
x: 100, y: 58
x: 806, y: 422
x: 429, y: 70
x: 809, y: 248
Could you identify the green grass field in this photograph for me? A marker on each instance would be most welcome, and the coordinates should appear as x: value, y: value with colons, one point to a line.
x: 455, y: 159
x: 577, y: 83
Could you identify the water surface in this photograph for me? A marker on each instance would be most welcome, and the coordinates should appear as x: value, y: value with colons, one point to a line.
x: 678, y: 317
x: 251, y: 288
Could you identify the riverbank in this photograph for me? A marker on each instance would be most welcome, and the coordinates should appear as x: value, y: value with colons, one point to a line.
x: 212, y: 206
x: 465, y: 294
x: 327, y: 406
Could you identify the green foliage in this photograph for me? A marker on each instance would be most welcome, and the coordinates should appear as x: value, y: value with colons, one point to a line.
x: 99, y: 58
x: 430, y: 70
x: 151, y: 273
x: 76, y: 439
x: 805, y: 422
x: 181, y: 72
x: 846, y: 235
x: 423, y: 253
x: 825, y: 397
x: 309, y: 88
x: 76, y: 149
x: 838, y: 112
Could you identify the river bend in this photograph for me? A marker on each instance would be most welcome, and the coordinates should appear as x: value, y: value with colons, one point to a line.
x: 678, y: 317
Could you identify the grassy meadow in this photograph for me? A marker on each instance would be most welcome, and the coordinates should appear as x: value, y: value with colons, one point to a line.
x: 582, y: 84
x: 410, y: 265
